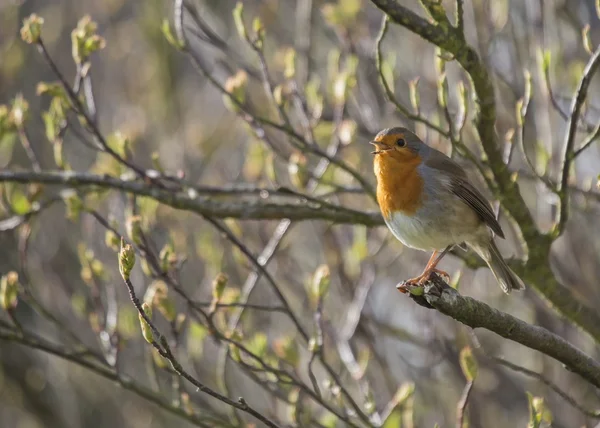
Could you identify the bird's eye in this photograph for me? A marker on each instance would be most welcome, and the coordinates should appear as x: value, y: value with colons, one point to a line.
x: 401, y: 142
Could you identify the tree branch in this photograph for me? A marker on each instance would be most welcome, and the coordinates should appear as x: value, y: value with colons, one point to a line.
x: 569, y: 144
x: 297, y: 208
x: 106, y: 372
x: 476, y: 314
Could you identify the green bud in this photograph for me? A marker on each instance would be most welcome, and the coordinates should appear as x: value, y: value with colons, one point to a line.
x: 546, y: 58
x: 340, y: 86
x: 441, y: 90
x: 218, y: 285
x: 84, y: 40
x: 235, y: 336
x: 289, y: 60
x: 19, y: 111
x: 146, y: 329
x: 119, y: 143
x: 9, y: 290
x: 146, y: 269
x: 52, y: 89
x: 538, y: 412
x: 313, y: 345
x: 87, y: 275
x: 286, y: 348
x: 166, y: 307
x: 133, y: 226
x: 218, y: 288
x: 259, y: 31
x: 97, y: 268
x: 31, y: 31
x: 157, y: 296
x: 238, y: 20
x: 168, y: 257
x: 278, y: 95
x: 169, y: 36
x: 126, y: 260
x: 415, y: 100
x: 587, y: 42
x: 297, y: 170
x: 236, y: 86
x: 468, y: 363
x: 74, y: 205
x: 320, y: 284
x: 111, y: 240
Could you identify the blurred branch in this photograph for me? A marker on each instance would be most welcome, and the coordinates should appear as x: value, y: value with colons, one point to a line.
x: 388, y: 90
x: 569, y: 145
x: 254, y: 121
x: 257, y: 209
x: 160, y: 343
x: 80, y: 110
x: 462, y: 404
x: 125, y: 382
x: 437, y: 294
x: 517, y: 368
x: 17, y: 220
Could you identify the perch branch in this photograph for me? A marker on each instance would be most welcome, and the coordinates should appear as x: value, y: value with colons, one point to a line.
x: 476, y: 314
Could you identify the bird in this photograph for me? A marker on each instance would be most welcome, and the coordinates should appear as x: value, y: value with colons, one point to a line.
x: 429, y: 204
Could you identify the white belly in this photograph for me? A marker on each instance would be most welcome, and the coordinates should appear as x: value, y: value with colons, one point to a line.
x: 434, y: 232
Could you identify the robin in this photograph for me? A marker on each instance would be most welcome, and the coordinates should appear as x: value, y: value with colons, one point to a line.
x: 429, y: 204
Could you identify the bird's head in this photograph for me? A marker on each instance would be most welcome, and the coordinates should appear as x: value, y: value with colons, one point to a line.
x: 398, y: 144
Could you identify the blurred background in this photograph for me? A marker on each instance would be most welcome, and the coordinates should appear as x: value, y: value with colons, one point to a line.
x: 172, y: 114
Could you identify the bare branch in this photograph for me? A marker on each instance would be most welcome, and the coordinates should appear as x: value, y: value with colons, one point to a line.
x: 161, y: 345
x: 569, y: 144
x: 462, y: 404
x: 127, y: 383
x: 589, y: 413
x: 476, y: 314
x: 256, y: 209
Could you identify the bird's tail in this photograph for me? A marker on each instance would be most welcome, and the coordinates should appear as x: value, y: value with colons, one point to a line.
x: 507, y: 279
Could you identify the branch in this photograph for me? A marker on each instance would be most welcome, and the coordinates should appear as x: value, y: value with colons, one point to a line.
x: 589, y: 413
x: 106, y: 372
x: 476, y: 314
x: 462, y: 404
x: 189, y: 200
x: 569, y: 144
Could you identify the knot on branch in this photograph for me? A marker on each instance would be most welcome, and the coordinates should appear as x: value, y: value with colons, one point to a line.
x: 432, y: 292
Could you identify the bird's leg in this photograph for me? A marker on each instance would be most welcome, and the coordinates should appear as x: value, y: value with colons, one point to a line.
x: 430, y: 268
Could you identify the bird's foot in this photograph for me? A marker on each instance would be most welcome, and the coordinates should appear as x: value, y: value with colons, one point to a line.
x: 415, y: 285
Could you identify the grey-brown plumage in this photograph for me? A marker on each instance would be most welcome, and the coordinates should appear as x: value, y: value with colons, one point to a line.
x: 451, y: 212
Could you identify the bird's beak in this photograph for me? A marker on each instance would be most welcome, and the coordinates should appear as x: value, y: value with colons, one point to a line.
x: 379, y: 147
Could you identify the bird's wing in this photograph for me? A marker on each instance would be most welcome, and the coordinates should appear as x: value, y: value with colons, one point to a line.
x: 461, y: 187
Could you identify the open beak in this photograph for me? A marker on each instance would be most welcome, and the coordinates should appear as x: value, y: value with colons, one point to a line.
x: 379, y: 147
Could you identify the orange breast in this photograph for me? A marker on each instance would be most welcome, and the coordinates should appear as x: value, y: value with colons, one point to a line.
x: 399, y: 185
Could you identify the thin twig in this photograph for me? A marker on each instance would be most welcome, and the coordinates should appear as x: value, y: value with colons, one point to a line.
x: 520, y: 369
x: 568, y: 154
x: 462, y: 404
x: 161, y: 345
